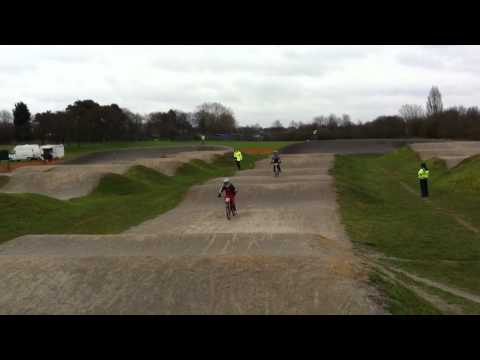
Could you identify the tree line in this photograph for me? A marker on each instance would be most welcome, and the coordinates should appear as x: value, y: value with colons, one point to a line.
x: 88, y: 121
x: 412, y: 120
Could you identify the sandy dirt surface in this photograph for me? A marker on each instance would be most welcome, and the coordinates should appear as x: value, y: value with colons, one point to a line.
x: 453, y: 152
x: 69, y: 181
x: 285, y: 253
x: 7, y: 169
x: 130, y: 155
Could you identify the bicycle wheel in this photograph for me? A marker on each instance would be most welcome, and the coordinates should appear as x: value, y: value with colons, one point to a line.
x: 227, y: 211
x: 275, y: 170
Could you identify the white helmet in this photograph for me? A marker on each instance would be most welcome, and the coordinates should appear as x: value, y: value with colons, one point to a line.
x: 226, y: 180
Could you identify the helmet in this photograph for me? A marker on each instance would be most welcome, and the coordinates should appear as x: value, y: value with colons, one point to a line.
x: 275, y: 152
x: 226, y: 180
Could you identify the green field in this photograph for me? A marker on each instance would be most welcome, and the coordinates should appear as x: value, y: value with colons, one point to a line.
x: 119, y: 201
x: 383, y: 213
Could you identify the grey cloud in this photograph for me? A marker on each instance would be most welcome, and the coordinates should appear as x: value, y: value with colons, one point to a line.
x: 260, y: 83
x: 421, y: 61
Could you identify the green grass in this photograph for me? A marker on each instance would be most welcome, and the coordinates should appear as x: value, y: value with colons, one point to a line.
x: 467, y: 306
x: 462, y: 305
x: 380, y: 214
x: 118, y: 202
x: 401, y: 300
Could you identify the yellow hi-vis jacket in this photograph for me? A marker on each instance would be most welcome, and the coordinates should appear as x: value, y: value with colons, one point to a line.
x: 423, y: 174
x: 237, y: 156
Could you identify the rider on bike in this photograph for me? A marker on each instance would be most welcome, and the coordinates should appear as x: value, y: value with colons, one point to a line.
x: 230, y: 191
x: 276, y: 160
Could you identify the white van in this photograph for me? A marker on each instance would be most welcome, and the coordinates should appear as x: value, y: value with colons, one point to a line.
x: 55, y: 151
x: 26, y: 152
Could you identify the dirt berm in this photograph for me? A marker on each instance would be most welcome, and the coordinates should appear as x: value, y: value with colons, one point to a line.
x: 452, y: 152
x: 285, y: 253
x: 79, y: 177
x: 351, y: 146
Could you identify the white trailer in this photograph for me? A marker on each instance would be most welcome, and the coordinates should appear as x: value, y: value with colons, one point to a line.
x: 26, y: 152
x: 56, y: 151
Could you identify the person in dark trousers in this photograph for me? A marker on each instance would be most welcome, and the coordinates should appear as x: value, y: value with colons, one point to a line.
x: 237, y: 156
x: 423, y: 174
x: 276, y: 160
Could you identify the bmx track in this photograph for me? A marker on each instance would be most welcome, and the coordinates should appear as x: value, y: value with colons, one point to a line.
x: 285, y: 253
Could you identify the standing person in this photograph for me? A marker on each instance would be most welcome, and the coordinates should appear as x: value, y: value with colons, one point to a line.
x: 237, y: 156
x: 202, y: 137
x: 423, y: 174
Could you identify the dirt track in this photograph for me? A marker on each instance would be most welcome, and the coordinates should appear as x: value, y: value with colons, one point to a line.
x: 355, y: 146
x: 131, y: 155
x: 453, y: 152
x: 286, y: 253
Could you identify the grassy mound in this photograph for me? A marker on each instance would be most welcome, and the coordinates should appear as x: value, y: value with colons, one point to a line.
x: 118, y: 202
x: 464, y: 178
x: 380, y: 205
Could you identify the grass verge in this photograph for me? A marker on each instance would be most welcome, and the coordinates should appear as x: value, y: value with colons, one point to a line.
x: 401, y: 300
x: 118, y: 202
x: 380, y: 213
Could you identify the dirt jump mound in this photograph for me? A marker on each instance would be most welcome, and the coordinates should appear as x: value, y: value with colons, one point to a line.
x: 73, y: 180
x: 453, y: 152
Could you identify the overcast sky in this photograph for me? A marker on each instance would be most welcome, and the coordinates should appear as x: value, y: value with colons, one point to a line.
x: 260, y: 83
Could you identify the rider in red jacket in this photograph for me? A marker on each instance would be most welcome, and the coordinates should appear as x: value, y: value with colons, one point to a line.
x: 230, y: 191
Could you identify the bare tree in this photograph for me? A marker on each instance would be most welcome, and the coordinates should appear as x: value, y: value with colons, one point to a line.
x: 434, y: 102
x: 346, y: 120
x: 333, y: 122
x: 277, y: 124
x: 215, y: 118
x: 7, y: 130
x: 320, y: 120
x: 293, y: 124
x: 411, y: 112
x: 6, y: 116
